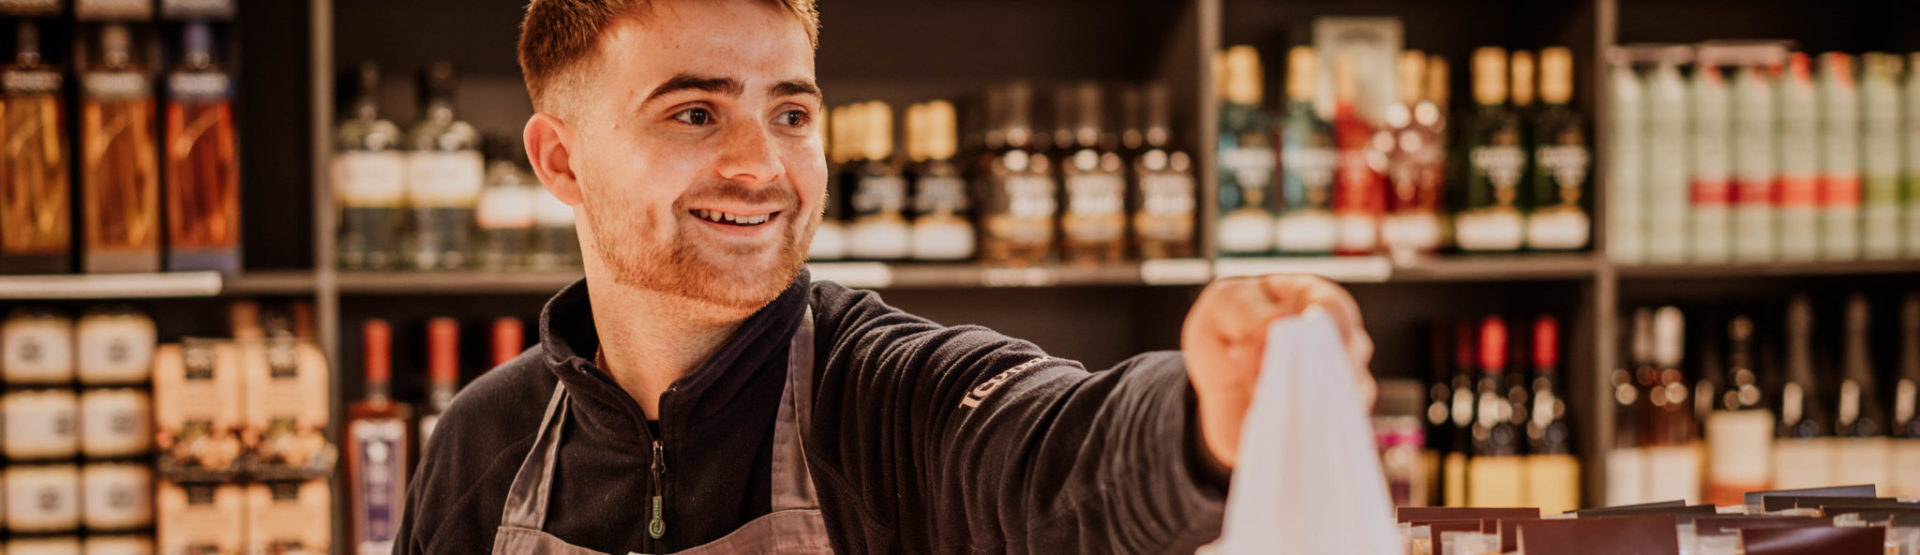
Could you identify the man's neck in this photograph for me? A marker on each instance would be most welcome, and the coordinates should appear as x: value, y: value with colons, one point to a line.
x: 650, y: 339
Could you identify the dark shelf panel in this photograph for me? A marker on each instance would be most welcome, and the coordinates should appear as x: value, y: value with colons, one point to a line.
x: 1772, y: 269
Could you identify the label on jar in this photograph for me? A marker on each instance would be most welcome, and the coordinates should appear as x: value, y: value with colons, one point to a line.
x: 43, y: 498
x: 115, y: 423
x: 40, y: 424
x: 370, y: 178
x: 116, y: 496
x: 116, y: 348
x: 445, y: 179
x: 37, y: 350
x: 382, y: 451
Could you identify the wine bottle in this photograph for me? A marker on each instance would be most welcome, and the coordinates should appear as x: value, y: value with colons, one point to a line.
x: 1740, y: 425
x: 1800, y: 447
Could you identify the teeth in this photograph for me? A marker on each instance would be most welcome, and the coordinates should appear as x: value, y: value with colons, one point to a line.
x: 723, y: 217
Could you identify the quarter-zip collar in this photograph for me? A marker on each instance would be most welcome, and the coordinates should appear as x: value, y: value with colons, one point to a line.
x: 755, y: 351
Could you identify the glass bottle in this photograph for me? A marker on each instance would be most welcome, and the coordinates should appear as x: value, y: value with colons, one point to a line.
x: 1553, y: 472
x: 1093, y: 224
x: 1359, y: 192
x: 203, y: 169
x: 377, y: 438
x: 120, y: 170
x: 1839, y: 158
x: 1626, y: 168
x: 445, y: 174
x: 35, y: 213
x: 1906, y: 403
x: 942, y: 223
x: 830, y: 238
x: 1800, y: 447
x: 443, y: 373
x: 1490, y: 218
x: 1308, y: 161
x: 505, y: 213
x: 1880, y: 156
x: 369, y: 181
x: 1559, y: 218
x: 1798, y: 195
x: 1246, y: 157
x: 1711, y: 167
x: 1740, y: 427
x: 1668, y: 164
x: 1416, y: 167
x: 879, y: 195
x: 1860, y: 447
x: 1016, y: 186
x: 1755, y: 163
x: 1494, y: 474
x: 1163, y: 183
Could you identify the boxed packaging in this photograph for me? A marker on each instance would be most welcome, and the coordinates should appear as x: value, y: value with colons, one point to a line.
x: 289, y: 517
x: 201, y: 518
x: 42, y: 499
x: 198, y: 404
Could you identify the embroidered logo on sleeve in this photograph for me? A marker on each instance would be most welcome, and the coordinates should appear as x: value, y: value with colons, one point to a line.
x: 980, y: 392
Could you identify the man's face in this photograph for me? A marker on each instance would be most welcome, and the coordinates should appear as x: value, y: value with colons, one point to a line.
x: 697, y: 152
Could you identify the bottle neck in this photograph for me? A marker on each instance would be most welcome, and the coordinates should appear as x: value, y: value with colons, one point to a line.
x: 440, y: 109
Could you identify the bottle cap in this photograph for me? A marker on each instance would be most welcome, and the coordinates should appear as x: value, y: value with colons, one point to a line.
x: 377, y: 342
x: 1302, y: 66
x: 443, y: 350
x: 1490, y: 75
x: 1240, y: 81
x: 1669, y: 332
x: 1493, y: 345
x: 1412, y: 72
x: 1556, y: 75
x: 1546, y: 343
x: 508, y: 340
x: 1523, y: 78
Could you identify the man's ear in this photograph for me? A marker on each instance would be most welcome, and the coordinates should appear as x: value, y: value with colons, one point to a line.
x: 547, y: 138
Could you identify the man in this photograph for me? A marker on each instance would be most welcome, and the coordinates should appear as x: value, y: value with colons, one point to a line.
x: 698, y: 391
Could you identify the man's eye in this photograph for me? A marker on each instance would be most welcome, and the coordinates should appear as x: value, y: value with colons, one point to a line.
x: 694, y: 116
x: 795, y: 118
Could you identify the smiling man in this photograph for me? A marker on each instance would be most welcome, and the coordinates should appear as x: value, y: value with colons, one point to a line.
x: 698, y: 391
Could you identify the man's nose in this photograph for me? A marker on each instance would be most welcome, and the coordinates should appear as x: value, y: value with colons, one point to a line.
x: 748, y: 154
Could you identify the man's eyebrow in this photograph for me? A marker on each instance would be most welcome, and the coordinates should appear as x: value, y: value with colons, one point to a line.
x: 795, y: 88
x: 690, y: 82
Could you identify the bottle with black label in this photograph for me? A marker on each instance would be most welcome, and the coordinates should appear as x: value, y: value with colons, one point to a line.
x: 369, y: 181
x: 1308, y: 159
x: 1093, y: 224
x: 1016, y: 184
x: 1490, y: 217
x: 942, y: 226
x: 203, y: 164
x: 1163, y: 183
x: 1801, y: 449
x: 120, y: 172
x: 36, y: 229
x: 1860, y: 422
x: 879, y: 198
x: 1246, y: 157
x: 1561, y: 160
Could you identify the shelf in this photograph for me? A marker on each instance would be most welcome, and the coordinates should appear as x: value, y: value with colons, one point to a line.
x: 154, y: 285
x: 883, y: 275
x: 1381, y: 269
x: 270, y: 282
x: 1767, y: 269
x: 454, y: 283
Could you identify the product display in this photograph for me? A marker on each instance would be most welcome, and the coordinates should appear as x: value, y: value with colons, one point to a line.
x: 1497, y: 424
x: 35, y: 195
x: 203, y: 167
x: 378, y: 445
x: 119, y: 169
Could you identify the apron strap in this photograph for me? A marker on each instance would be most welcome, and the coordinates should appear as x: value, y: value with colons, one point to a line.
x: 792, y: 484
x: 527, y: 498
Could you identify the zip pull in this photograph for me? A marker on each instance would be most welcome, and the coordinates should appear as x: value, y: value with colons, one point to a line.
x: 657, y: 527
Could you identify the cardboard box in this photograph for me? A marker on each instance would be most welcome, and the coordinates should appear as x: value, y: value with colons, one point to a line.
x: 289, y: 517
x: 115, y: 423
x: 40, y: 424
x: 115, y: 348
x: 287, y: 383
x: 43, y: 499
x: 116, y: 496
x: 198, y: 403
x: 201, y: 518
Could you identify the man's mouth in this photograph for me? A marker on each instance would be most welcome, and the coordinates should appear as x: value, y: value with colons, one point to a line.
x: 728, y: 218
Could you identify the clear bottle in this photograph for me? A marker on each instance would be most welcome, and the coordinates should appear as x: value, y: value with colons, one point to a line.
x: 555, y: 244
x: 1246, y: 157
x: 1559, y: 219
x: 203, y: 166
x: 879, y: 197
x: 1839, y: 158
x: 1880, y: 160
x: 1626, y: 463
x: 1755, y: 163
x: 942, y: 224
x: 1673, y: 453
x: 1798, y: 196
x: 1416, y: 167
x: 1308, y: 159
x: 505, y: 213
x: 369, y: 181
x: 445, y: 173
x: 1093, y: 224
x: 35, y: 213
x: 1553, y: 472
x: 1860, y: 447
x: 1491, y: 217
x: 1164, y: 194
x: 1626, y: 168
x: 120, y: 173
x: 1359, y: 192
x: 1668, y: 168
x: 830, y: 238
x: 1740, y: 425
x: 1800, y: 448
x: 1016, y: 185
x: 1711, y: 168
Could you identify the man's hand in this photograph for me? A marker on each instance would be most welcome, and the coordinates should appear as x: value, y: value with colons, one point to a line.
x: 1225, y: 336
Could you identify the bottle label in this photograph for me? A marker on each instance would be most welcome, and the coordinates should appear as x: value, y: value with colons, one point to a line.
x: 1310, y: 173
x: 370, y: 178
x: 30, y: 7
x: 941, y: 195
x: 1802, y: 463
x: 30, y: 81
x: 1673, y: 472
x: 181, y: 9
x: 1030, y: 197
x: 1626, y: 476
x: 1166, y: 194
x: 382, y: 448
x: 1249, y: 173
x: 116, y: 352
x: 38, y: 350
x: 199, y: 86
x: 1860, y: 460
x: 1733, y: 438
x: 505, y: 207
x: 114, y: 423
x: 1495, y: 481
x: 1095, y: 195
x: 1905, y: 456
x: 1711, y: 192
x: 1553, y: 483
x: 1501, y: 166
x: 1840, y: 190
x: 117, y: 496
x: 445, y: 179
x: 40, y: 424
x: 116, y: 85
x: 876, y: 195
x: 1753, y: 192
x: 1798, y: 191
x: 113, y: 9
x: 1567, y: 165
x: 49, y: 495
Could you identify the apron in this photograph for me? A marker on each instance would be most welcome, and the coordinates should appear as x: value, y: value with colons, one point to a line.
x: 794, y: 526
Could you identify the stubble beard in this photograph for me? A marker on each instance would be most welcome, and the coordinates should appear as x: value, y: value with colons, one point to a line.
x: 684, y: 268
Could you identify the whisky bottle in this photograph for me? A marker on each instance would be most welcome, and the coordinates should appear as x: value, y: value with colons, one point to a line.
x: 1490, y: 218
x: 1416, y: 167
x: 505, y: 213
x: 1755, y: 164
x: 1626, y: 171
x: 377, y: 450
x: 1164, y: 192
x: 1496, y: 474
x: 1798, y: 195
x: 1359, y: 193
x: 1708, y: 144
x: 1906, y: 403
x: 120, y: 173
x: 35, y: 204
x: 203, y: 169
x: 1667, y: 160
x: 1559, y: 219
x: 1880, y: 156
x: 369, y: 181
x: 830, y: 237
x: 1839, y: 158
x: 1093, y: 225
x: 879, y: 196
x: 443, y: 373
x: 445, y: 174
x: 1553, y: 472
x: 1626, y: 461
x: 1860, y: 447
x: 1801, y: 447
x: 1016, y: 184
x: 1673, y: 457
x: 1308, y: 161
x: 942, y: 223
x: 1246, y: 157
x: 1740, y: 428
